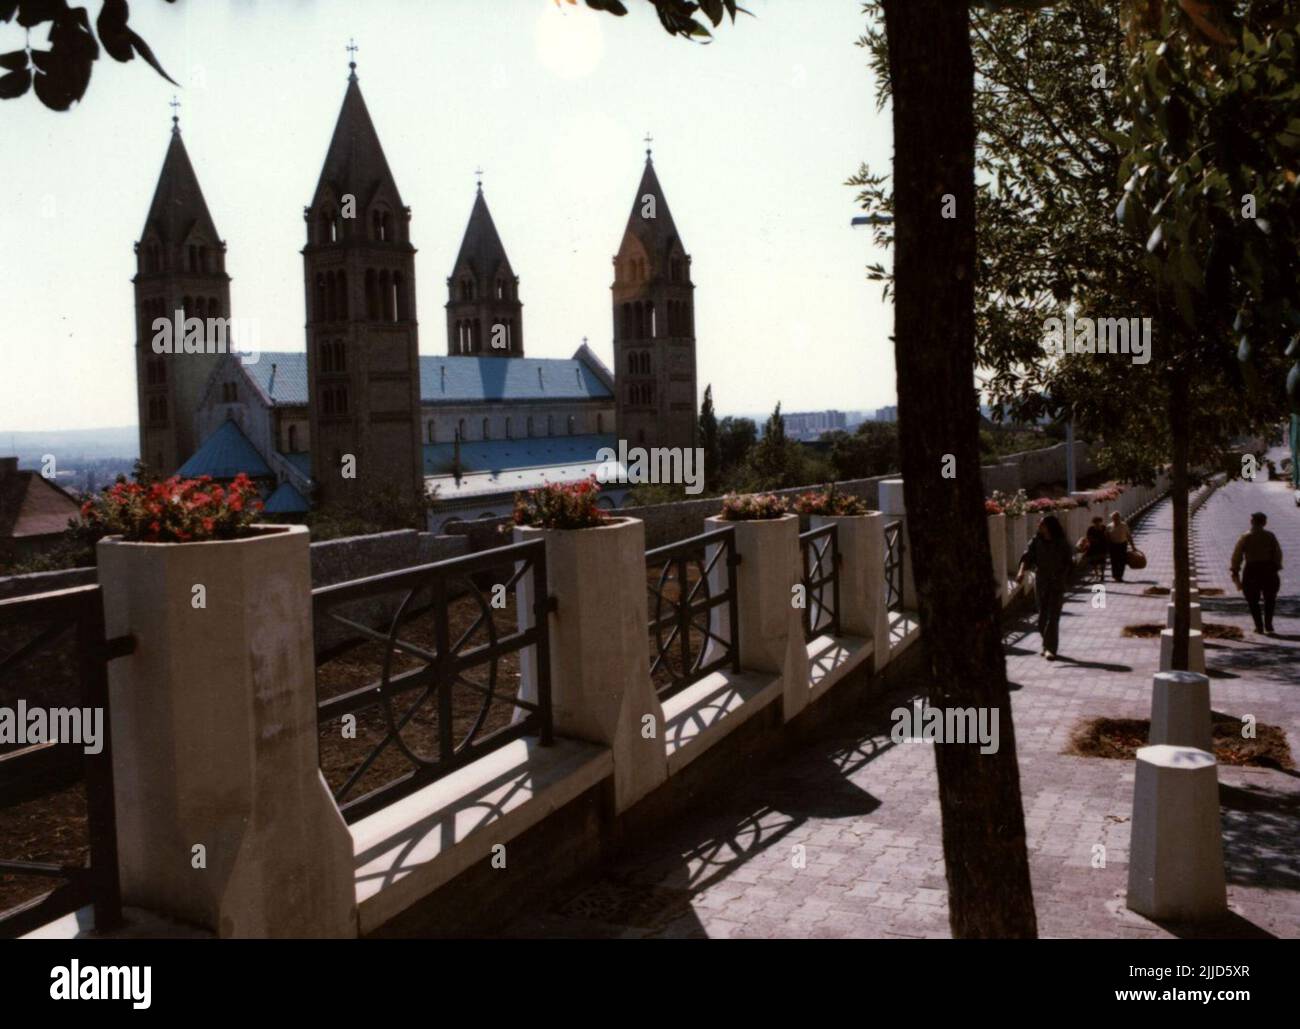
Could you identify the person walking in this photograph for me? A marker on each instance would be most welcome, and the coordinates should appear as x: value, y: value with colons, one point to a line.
x: 1051, y: 559
x: 1096, y: 546
x: 1119, y: 539
x: 1262, y: 554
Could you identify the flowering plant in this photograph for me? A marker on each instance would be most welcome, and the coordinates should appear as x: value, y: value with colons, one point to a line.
x: 1108, y: 495
x: 175, y: 510
x: 561, y: 506
x: 1041, y: 505
x: 1016, y: 504
x: 992, y: 507
x: 1067, y: 503
x: 830, y: 502
x: 750, y: 507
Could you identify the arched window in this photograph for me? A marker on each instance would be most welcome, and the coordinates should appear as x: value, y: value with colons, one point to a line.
x: 530, y: 426
x: 341, y: 286
x: 399, y: 298
x: 501, y: 290
x: 487, y: 434
x: 572, y: 424
x: 389, y: 313
x: 293, y: 439
x: 477, y: 337
x: 651, y: 319
x: 639, y: 320
x: 508, y: 435
x: 460, y: 429
x: 330, y: 296
x: 433, y: 432
x: 627, y: 320
x: 326, y: 228
x: 600, y: 422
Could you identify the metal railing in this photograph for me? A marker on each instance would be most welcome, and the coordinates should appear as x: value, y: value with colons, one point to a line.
x: 419, y: 706
x: 693, y: 620
x: 820, y: 559
x: 894, y: 566
x: 31, y: 770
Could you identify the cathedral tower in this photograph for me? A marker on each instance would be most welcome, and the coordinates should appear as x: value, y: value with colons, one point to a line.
x: 363, y: 365
x: 484, y: 315
x: 654, y: 325
x: 180, y: 273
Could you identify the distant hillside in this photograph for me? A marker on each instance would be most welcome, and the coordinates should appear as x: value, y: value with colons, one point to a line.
x: 72, y: 445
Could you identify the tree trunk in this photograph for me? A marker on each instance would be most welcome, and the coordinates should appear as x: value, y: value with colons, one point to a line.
x: 1181, y: 439
x: 932, y: 77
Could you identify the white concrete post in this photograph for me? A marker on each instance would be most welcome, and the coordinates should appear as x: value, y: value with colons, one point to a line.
x: 997, y: 530
x: 1195, y: 650
x: 1180, y: 710
x: 771, y: 627
x: 1016, y: 541
x: 224, y: 819
x: 863, y: 613
x: 1176, y: 847
x: 1194, y: 611
x: 600, y: 649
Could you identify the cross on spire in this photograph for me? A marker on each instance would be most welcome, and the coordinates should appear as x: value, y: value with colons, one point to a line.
x: 352, y: 49
x: 478, y: 174
x: 648, y: 140
x: 175, y: 105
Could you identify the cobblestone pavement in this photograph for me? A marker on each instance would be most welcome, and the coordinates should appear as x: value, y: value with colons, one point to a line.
x: 863, y: 812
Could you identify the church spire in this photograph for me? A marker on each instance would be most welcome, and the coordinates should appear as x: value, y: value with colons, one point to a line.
x: 650, y: 220
x: 354, y: 162
x: 484, y: 315
x: 178, y: 209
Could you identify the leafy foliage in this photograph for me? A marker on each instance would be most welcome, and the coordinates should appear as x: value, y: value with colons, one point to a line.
x: 61, y: 74
x: 561, y: 506
x: 752, y: 507
x: 382, y: 510
x: 830, y: 502
x: 678, y: 16
x: 175, y: 510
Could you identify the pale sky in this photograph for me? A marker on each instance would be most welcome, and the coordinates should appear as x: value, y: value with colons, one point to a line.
x: 754, y: 136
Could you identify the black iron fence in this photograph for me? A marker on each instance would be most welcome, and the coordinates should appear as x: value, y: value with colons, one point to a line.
x: 820, y: 561
x: 65, y: 629
x: 894, y: 566
x: 446, y: 689
x: 693, y: 620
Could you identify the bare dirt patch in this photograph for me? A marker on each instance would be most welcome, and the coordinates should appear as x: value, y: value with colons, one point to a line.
x: 1209, y: 631
x: 1121, y: 738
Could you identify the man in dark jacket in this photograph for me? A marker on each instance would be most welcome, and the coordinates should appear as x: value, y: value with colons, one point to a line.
x: 1262, y: 554
x: 1051, y: 558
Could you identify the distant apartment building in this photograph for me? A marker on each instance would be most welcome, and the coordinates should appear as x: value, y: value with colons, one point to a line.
x: 887, y: 414
x: 809, y: 425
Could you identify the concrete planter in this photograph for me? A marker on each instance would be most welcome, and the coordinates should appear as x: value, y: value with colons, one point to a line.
x: 1017, y: 539
x: 224, y: 819
x: 771, y: 627
x: 861, y: 540
x: 997, y: 530
x: 600, y: 650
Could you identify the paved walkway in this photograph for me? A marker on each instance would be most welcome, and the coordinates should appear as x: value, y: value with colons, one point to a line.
x: 863, y: 812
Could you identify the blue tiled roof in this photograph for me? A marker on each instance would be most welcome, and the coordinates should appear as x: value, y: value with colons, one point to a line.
x: 225, y: 454
x: 301, y: 462
x: 504, y: 454
x: 506, y: 378
x: 286, y: 500
x: 282, y: 375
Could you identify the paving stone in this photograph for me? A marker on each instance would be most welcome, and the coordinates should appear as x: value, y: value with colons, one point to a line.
x: 881, y: 874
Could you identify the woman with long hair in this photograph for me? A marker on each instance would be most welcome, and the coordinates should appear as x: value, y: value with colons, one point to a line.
x: 1051, y: 558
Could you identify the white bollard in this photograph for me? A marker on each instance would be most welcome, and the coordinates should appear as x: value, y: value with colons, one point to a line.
x: 1194, y: 613
x: 1195, y: 650
x: 1176, y: 847
x: 1180, y: 710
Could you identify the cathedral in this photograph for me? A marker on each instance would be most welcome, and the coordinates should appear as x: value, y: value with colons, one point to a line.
x: 361, y: 410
